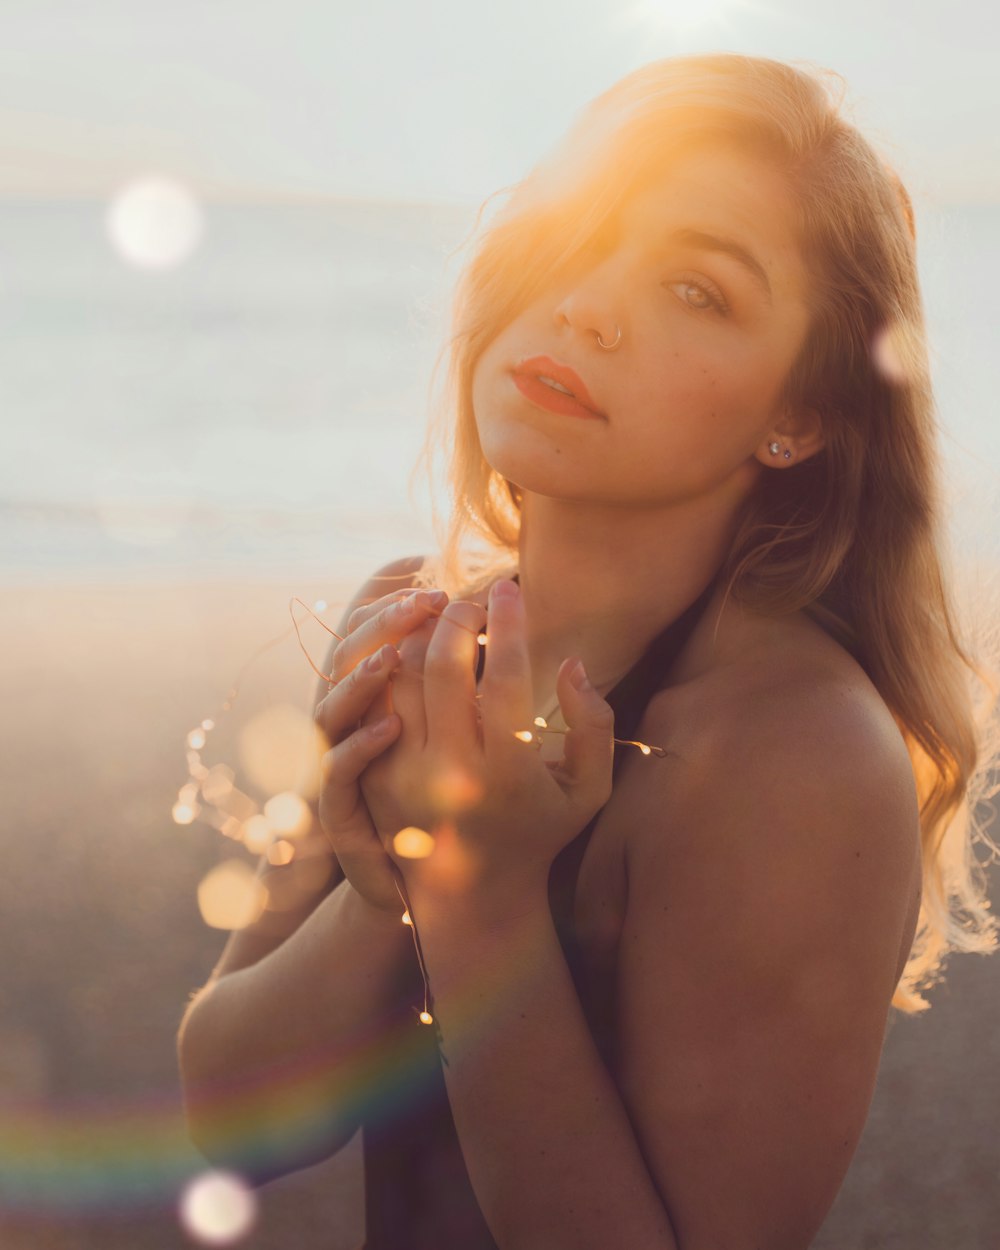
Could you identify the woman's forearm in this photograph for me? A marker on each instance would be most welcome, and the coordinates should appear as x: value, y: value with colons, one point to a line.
x: 275, y: 1058
x: 547, y: 1141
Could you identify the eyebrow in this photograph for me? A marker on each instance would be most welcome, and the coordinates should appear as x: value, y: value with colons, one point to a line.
x: 728, y: 247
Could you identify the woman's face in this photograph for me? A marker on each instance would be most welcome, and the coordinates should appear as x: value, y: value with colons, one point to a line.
x: 706, y: 284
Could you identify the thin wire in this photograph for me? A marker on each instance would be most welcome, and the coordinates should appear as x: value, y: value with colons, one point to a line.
x: 645, y: 748
x: 425, y: 1015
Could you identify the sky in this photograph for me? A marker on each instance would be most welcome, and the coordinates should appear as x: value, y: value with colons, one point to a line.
x: 444, y: 100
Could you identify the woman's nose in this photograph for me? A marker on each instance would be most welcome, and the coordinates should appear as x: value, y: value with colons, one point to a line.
x: 591, y: 308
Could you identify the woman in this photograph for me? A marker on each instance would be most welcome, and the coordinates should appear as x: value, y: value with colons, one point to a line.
x: 657, y: 1005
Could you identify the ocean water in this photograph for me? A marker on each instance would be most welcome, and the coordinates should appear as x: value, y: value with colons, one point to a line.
x: 257, y: 409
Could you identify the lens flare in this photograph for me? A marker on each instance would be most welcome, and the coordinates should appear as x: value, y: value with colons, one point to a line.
x: 218, y: 1208
x: 155, y: 223
x: 231, y: 896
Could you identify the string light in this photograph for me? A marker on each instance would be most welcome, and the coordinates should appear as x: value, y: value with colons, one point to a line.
x: 211, y: 794
x: 424, y: 1016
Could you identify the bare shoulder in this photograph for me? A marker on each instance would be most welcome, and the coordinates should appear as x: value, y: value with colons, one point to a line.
x: 794, y: 731
x: 772, y: 863
x: 789, y: 783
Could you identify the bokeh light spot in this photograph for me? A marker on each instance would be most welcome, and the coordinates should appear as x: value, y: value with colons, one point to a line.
x: 218, y: 1208
x: 280, y: 750
x: 231, y: 896
x: 288, y: 813
x: 413, y: 843
x: 183, y: 813
x: 155, y: 223
x: 217, y: 784
x: 257, y: 834
x: 280, y: 853
x: 196, y: 739
x: 453, y: 790
x: 893, y: 353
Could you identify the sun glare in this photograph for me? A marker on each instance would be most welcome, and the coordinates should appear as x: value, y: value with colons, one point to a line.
x: 683, y: 17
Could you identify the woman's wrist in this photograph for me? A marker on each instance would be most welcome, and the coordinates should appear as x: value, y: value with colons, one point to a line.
x: 494, y: 904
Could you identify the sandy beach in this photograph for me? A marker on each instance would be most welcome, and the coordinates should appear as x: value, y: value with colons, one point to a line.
x: 103, y: 943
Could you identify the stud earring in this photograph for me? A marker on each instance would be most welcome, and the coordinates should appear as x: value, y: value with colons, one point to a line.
x: 774, y: 448
x: 788, y: 454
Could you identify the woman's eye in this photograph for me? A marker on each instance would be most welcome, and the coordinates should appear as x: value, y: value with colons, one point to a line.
x: 698, y: 296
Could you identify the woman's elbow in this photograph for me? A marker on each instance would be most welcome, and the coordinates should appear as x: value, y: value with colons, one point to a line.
x: 246, y: 1121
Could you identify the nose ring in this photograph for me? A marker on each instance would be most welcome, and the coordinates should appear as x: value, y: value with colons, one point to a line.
x: 615, y: 342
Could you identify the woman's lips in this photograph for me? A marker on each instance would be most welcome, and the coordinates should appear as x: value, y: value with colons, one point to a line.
x: 528, y: 377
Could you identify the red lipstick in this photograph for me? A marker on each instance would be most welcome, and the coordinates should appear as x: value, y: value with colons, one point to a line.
x: 534, y: 378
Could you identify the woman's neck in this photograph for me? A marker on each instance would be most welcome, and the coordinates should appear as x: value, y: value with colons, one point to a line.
x: 602, y: 582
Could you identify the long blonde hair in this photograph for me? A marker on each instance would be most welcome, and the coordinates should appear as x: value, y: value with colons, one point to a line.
x: 849, y: 536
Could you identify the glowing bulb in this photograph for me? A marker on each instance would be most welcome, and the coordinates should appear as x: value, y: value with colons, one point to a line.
x: 154, y: 223
x: 524, y: 735
x: 196, y: 739
x: 208, y: 723
x: 406, y: 919
x: 413, y: 843
x: 481, y: 639
x: 541, y: 722
x: 426, y: 1018
x: 218, y: 1208
x: 183, y: 813
x: 644, y: 749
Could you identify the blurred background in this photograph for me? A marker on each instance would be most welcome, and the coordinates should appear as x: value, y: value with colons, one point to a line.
x: 228, y: 233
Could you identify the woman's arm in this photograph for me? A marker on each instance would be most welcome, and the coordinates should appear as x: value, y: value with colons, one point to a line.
x: 269, y: 1048
x: 770, y: 876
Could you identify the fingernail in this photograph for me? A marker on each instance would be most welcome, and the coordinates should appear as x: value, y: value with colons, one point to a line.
x: 375, y: 662
x: 578, y: 677
x: 408, y: 605
x: 436, y: 598
x: 381, y: 728
x: 504, y: 590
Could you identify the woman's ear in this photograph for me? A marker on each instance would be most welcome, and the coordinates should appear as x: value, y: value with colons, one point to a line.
x: 797, y: 436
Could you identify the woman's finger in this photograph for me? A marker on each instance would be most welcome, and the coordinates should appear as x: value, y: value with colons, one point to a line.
x: 344, y: 815
x: 589, y: 752
x: 450, y: 680
x: 407, y: 691
x: 507, y: 699
x: 387, y: 620
x: 347, y: 703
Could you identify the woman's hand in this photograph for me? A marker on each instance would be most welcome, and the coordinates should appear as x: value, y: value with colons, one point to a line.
x: 498, y: 812
x: 357, y: 718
